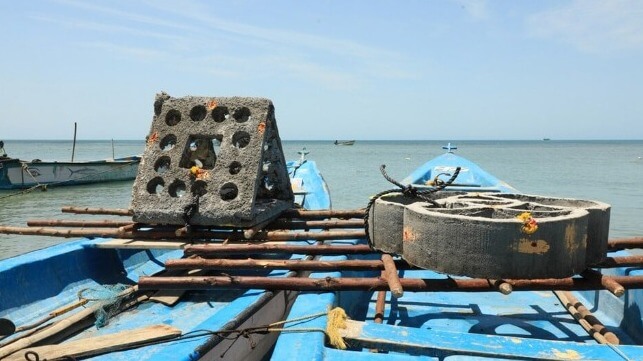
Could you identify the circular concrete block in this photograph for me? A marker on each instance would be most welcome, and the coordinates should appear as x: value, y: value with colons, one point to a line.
x: 486, y: 239
x: 597, y: 228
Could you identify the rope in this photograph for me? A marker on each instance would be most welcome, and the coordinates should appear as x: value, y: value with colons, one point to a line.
x: 408, y: 191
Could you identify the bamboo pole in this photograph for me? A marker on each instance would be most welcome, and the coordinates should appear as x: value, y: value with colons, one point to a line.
x: 98, y: 211
x: 218, y: 249
x: 586, y: 319
x: 294, y: 265
x: 83, y: 223
x: 376, y: 283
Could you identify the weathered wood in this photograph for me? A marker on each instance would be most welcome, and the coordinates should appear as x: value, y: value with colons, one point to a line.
x: 286, y: 223
x: 218, y: 249
x: 326, y: 213
x: 98, y: 211
x: 290, y: 264
x: 502, y: 286
x: 377, y: 283
x: 82, y: 223
x: 609, y: 283
x: 625, y: 261
x: 100, y: 344
x: 392, y: 278
x: 623, y: 243
x: 586, y: 319
x: 120, y: 243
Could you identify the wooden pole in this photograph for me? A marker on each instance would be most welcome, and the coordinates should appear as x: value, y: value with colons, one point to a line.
x: 376, y: 284
x: 73, y: 147
x: 609, y: 283
x: 392, y: 278
x: 218, y: 249
x: 326, y: 213
x: 295, y: 265
x: 98, y: 211
x: 586, y: 319
x: 83, y: 223
x: 624, y: 243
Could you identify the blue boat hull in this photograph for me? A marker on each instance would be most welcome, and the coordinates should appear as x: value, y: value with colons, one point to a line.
x: 463, y: 325
x: 39, y: 282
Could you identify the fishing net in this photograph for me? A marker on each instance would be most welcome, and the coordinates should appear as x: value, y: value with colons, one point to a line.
x: 109, y: 297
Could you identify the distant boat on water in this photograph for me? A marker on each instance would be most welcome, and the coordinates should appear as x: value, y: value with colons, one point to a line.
x: 20, y: 174
x: 344, y: 142
x: 546, y: 139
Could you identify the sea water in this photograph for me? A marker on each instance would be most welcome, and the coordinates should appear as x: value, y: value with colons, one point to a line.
x: 606, y: 171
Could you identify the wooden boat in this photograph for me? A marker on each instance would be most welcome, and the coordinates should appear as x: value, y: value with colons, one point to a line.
x: 443, y: 317
x: 68, y: 287
x: 19, y: 174
x: 344, y: 142
x: 471, y: 176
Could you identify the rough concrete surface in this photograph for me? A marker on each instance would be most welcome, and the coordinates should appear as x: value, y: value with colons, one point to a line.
x: 213, y: 161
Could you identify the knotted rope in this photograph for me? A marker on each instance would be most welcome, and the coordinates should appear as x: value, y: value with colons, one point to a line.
x: 408, y: 191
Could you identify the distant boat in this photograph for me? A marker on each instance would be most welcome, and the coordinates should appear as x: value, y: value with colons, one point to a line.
x: 546, y: 139
x: 20, y: 174
x: 344, y: 142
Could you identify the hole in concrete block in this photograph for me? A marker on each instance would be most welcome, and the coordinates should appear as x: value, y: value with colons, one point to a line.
x: 155, y: 186
x: 198, y: 113
x: 234, y: 167
x: 173, y: 117
x: 220, y: 114
x: 241, y: 139
x: 228, y: 191
x: 201, y: 152
x: 241, y: 115
x: 176, y: 189
x: 162, y: 165
x: 168, y: 142
x: 199, y: 188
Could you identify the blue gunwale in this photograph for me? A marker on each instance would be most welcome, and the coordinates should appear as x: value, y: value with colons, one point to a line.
x: 461, y: 325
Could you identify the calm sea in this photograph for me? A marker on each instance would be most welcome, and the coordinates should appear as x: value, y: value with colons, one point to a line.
x: 607, y: 171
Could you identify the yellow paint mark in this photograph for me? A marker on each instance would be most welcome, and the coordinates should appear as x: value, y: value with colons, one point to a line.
x: 566, y: 355
x: 539, y: 246
x: 570, y: 238
x: 515, y: 340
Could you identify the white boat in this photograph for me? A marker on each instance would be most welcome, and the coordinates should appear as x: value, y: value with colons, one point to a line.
x: 20, y: 174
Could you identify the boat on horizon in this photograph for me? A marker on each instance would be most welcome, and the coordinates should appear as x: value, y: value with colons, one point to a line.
x: 344, y: 142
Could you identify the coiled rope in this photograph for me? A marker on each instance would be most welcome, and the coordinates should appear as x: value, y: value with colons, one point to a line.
x: 408, y: 191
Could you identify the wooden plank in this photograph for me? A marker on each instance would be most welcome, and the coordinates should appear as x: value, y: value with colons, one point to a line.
x: 100, y: 344
x: 444, y: 343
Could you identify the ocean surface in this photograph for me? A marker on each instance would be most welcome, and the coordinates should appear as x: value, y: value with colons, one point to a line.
x: 606, y: 171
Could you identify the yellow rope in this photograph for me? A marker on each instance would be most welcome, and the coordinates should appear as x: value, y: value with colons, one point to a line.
x: 336, y: 320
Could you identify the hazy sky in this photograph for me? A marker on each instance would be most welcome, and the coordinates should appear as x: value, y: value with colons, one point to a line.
x: 334, y: 69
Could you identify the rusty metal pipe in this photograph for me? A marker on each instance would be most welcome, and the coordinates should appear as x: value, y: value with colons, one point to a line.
x: 624, y: 243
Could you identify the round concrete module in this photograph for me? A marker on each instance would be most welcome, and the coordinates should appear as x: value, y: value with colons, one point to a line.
x: 597, y: 228
x: 491, y: 242
x: 386, y: 221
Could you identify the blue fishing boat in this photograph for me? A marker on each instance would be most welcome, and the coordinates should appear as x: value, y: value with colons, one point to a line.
x: 85, y: 292
x: 436, y: 317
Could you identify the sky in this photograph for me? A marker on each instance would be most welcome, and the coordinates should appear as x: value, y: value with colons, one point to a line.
x: 380, y: 70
